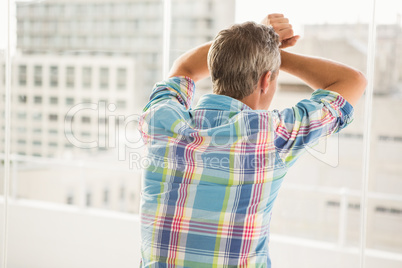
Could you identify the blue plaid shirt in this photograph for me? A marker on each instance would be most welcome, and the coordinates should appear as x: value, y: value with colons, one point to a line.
x: 215, y: 172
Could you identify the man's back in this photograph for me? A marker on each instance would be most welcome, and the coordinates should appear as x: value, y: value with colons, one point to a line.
x: 215, y: 172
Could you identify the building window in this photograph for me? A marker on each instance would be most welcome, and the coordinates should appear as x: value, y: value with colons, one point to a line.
x: 121, y: 78
x: 38, y: 76
x: 37, y: 99
x: 37, y: 116
x: 69, y: 101
x: 104, y: 78
x: 70, y: 77
x: 52, y: 144
x: 53, y: 131
x: 122, y: 193
x: 54, y: 79
x: 86, y: 120
x: 53, y: 100
x: 37, y: 143
x: 121, y: 104
x: 53, y: 117
x: 88, y: 199
x: 86, y: 77
x: 68, y: 145
x: 22, y: 99
x: 22, y: 115
x: 22, y: 75
x: 70, y: 199
x: 21, y: 142
x: 106, y: 196
x: 22, y: 129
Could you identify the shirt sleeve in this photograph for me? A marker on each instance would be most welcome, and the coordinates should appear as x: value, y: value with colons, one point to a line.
x: 180, y: 88
x: 301, y: 126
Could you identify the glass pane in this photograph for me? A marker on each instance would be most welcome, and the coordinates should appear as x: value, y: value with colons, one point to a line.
x: 82, y: 74
x: 318, y: 207
x: 384, y: 232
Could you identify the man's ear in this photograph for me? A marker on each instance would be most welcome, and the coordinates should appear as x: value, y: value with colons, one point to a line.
x: 265, y: 80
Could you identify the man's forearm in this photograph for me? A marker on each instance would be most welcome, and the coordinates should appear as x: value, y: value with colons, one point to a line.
x: 325, y: 74
x: 192, y: 63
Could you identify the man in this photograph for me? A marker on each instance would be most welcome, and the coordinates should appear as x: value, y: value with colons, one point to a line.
x: 215, y: 170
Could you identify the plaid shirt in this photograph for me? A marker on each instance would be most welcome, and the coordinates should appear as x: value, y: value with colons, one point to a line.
x: 214, y: 172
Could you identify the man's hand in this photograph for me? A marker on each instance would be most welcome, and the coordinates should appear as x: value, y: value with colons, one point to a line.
x: 282, y: 27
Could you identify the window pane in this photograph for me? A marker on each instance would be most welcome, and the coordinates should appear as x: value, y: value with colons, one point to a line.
x: 38, y: 76
x: 319, y: 202
x: 385, y: 181
x: 54, y: 79
x: 104, y: 78
x: 22, y: 75
x: 121, y: 78
x: 70, y: 79
x: 75, y: 57
x: 86, y: 77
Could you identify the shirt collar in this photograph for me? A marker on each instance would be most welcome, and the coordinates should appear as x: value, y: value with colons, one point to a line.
x: 221, y: 102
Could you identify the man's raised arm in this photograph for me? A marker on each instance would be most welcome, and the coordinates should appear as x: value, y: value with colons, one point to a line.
x: 325, y: 74
x: 193, y: 63
x: 318, y: 72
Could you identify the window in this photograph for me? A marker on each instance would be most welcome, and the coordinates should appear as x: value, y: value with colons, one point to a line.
x: 106, y: 197
x: 86, y: 119
x: 121, y: 78
x: 53, y: 100
x: 53, y: 117
x: 38, y: 76
x: 122, y: 193
x: 70, y: 199
x: 88, y: 199
x: 22, y: 99
x: 70, y: 78
x: 69, y: 101
x: 87, y: 48
x: 21, y: 129
x: 52, y: 144
x: 22, y: 75
x: 121, y: 104
x: 68, y: 145
x: 86, y: 77
x: 21, y: 142
x: 38, y: 99
x: 37, y: 143
x: 54, y: 78
x: 21, y: 115
x: 103, y: 78
x: 37, y: 116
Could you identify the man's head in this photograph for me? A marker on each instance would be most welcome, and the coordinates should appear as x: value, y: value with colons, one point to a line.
x: 240, y: 56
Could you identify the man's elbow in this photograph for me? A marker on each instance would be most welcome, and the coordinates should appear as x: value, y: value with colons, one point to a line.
x: 357, y: 84
x: 360, y: 81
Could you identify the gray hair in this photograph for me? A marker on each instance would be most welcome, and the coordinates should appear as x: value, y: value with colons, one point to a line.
x: 240, y: 55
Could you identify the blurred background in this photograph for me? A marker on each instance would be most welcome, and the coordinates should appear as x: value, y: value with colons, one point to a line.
x: 81, y: 72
